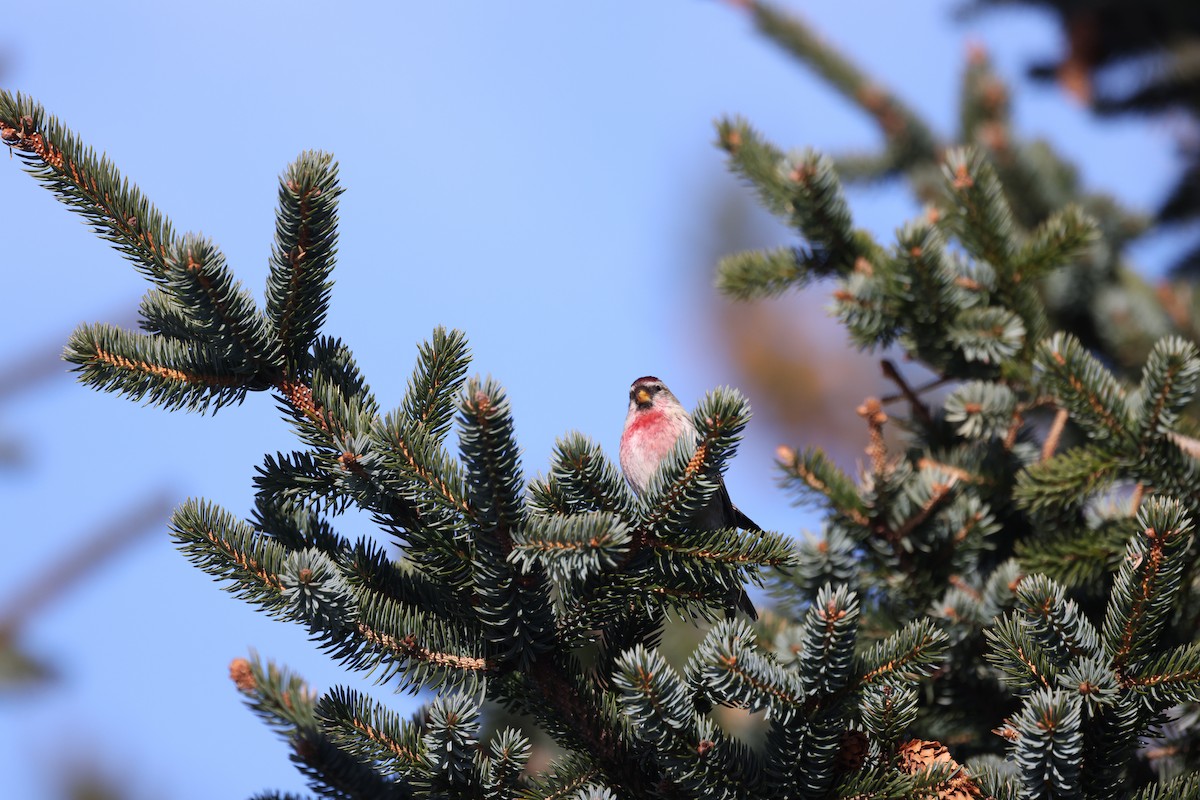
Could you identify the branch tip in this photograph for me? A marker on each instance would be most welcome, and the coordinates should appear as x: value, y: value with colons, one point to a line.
x: 242, y: 675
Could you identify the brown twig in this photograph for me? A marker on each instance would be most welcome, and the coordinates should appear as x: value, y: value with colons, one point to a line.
x: 1054, y: 434
x: 940, y: 493
x: 1014, y: 428
x: 118, y: 361
x: 919, y: 408
x: 1135, y: 499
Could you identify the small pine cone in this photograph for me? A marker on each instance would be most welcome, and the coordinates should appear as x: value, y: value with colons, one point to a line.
x: 918, y: 755
x: 852, y: 753
x: 960, y: 787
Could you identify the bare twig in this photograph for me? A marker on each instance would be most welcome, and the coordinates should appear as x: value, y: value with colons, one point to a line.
x: 919, y: 408
x: 1055, y: 433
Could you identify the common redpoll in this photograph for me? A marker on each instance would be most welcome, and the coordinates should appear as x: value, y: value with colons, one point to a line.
x: 655, y: 422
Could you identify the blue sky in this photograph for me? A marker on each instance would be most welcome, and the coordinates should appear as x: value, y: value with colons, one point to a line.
x: 539, y: 174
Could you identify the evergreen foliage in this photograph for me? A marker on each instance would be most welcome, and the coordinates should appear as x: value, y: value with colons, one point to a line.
x: 998, y: 609
x: 1135, y: 57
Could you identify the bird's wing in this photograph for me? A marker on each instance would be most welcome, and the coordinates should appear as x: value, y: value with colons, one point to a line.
x: 733, y: 514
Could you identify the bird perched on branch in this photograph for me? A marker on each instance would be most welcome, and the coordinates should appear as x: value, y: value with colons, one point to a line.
x: 655, y: 422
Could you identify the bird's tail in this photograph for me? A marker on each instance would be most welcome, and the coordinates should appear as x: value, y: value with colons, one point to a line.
x: 740, y: 601
x: 744, y: 522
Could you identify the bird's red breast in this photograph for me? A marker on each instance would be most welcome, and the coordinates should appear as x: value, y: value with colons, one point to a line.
x: 649, y: 437
x: 644, y: 421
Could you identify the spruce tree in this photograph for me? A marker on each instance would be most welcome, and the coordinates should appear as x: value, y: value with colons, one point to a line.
x: 1004, y: 606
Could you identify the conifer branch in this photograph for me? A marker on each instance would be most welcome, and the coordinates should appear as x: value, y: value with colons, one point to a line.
x: 369, y: 566
x: 941, y: 493
x: 655, y: 698
x: 228, y: 549
x: 340, y: 414
x: 199, y: 279
x: 410, y: 456
x: 909, y: 139
x: 1060, y: 237
x: 1172, y: 678
x: 303, y: 256
x: 1023, y: 661
x: 375, y: 732
x: 429, y: 400
x: 115, y: 208
x: 909, y: 654
x: 1050, y: 743
x: 727, y: 669
x: 983, y: 410
x: 105, y: 358
x: 341, y: 391
x: 548, y: 497
x: 288, y: 705
x: 980, y: 214
x: 755, y: 548
x: 1083, y: 386
x: 155, y: 369
x: 590, y: 480
x: 409, y: 648
x: 888, y: 711
x: 804, y: 191
x: 572, y: 548
x: 564, y: 779
x: 1056, y: 622
x: 750, y: 684
x: 514, y: 605
x: 611, y: 753
x: 300, y: 479
x: 812, y: 470
x: 1066, y: 481
x: 768, y: 273
x: 988, y: 335
x: 1179, y: 788
x: 1168, y: 385
x: 1147, y: 584
x: 1075, y: 558
x: 829, y: 632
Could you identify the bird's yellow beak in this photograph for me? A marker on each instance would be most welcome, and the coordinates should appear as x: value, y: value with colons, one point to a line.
x: 642, y: 396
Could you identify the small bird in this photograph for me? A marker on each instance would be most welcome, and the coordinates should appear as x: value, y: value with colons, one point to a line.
x: 655, y: 422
